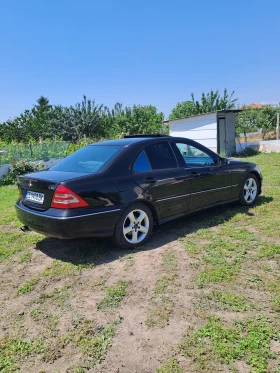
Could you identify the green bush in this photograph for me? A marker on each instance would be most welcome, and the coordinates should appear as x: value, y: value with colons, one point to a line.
x: 33, y: 151
x: 17, y: 169
x: 73, y: 147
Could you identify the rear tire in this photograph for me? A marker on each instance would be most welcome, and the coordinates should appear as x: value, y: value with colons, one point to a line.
x: 249, y: 191
x: 134, y: 227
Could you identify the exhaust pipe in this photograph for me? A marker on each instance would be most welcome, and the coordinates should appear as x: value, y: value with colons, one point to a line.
x: 24, y: 228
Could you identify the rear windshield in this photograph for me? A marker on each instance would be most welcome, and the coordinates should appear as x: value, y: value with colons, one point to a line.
x: 88, y: 159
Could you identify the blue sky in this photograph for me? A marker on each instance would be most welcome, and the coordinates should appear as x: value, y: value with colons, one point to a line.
x: 136, y: 52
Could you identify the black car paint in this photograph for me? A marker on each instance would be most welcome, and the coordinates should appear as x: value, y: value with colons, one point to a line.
x: 36, y: 181
x: 170, y: 193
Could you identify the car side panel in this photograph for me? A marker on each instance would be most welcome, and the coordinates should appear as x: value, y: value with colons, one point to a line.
x: 209, y: 185
x: 118, y: 192
x: 170, y: 191
x: 102, y: 192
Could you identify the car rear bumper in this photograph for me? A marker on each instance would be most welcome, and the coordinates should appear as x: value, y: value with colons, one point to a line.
x: 91, y: 224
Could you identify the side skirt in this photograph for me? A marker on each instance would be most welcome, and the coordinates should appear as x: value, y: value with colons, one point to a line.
x: 165, y: 220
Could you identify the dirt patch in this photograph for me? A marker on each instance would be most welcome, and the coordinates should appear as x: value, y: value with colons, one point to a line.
x: 55, y: 304
x: 138, y: 348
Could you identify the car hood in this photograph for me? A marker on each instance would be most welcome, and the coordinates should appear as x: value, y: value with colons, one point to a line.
x: 233, y: 161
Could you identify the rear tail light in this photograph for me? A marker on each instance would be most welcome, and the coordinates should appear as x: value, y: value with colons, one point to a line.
x: 64, y: 198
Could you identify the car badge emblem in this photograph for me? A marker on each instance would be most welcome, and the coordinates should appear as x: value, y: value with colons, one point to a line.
x: 30, y: 184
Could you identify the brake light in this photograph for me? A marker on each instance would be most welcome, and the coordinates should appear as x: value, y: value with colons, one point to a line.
x: 64, y: 198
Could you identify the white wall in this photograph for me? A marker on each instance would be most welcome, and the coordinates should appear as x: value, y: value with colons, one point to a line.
x: 4, y: 168
x: 250, y: 134
x: 201, y: 128
x: 263, y: 146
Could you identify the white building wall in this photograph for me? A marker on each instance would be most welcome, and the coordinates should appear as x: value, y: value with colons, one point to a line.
x: 262, y: 146
x: 201, y: 128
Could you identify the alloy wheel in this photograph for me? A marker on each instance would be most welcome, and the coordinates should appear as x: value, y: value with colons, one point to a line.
x: 136, y: 226
x: 250, y: 190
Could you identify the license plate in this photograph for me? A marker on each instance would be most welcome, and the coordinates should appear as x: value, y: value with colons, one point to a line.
x: 35, y: 197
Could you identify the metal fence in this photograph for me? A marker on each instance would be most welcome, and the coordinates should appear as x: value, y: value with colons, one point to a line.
x: 32, y: 152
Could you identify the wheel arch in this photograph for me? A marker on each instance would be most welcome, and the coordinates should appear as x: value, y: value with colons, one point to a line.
x: 118, y: 235
x: 151, y: 207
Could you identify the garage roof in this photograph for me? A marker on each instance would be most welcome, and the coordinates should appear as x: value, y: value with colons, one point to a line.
x: 198, y: 115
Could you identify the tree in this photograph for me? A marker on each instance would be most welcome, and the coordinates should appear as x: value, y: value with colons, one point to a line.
x: 80, y: 120
x: 246, y: 121
x: 182, y: 110
x: 31, y: 124
x: 251, y: 119
x: 43, y: 104
x: 266, y: 118
x: 109, y: 126
x: 38, y: 124
x: 139, y: 120
x: 16, y: 129
x: 209, y: 102
x: 72, y: 123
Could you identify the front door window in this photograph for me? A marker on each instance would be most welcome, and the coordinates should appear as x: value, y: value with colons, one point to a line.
x: 194, y: 157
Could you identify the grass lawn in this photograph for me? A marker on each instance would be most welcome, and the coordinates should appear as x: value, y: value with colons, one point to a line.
x: 202, y: 296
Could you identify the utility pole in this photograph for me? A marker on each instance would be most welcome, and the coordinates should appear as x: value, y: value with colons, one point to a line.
x: 277, y: 127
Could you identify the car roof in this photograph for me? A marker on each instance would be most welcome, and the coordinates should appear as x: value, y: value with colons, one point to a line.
x: 131, y: 140
x: 138, y: 142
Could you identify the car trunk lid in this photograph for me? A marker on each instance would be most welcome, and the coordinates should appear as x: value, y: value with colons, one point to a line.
x: 37, y: 188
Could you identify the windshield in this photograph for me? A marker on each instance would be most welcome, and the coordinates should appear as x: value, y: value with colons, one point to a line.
x: 88, y: 159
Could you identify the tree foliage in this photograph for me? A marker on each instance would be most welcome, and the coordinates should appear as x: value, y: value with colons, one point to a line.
x: 211, y: 101
x: 246, y: 122
x: 251, y: 119
x: 139, y: 119
x: 182, y: 110
x: 85, y: 119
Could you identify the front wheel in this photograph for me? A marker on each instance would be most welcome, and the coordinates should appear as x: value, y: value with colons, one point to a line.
x: 134, y: 227
x: 249, y: 191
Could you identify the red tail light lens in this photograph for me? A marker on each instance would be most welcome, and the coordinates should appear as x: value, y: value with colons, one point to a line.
x: 64, y: 198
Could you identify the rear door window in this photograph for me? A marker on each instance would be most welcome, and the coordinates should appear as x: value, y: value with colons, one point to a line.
x: 141, y: 164
x: 161, y: 156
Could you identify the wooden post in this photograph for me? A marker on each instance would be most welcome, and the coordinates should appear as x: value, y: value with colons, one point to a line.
x: 277, y: 127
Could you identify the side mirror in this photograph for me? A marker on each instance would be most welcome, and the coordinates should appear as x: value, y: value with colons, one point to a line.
x: 225, y: 161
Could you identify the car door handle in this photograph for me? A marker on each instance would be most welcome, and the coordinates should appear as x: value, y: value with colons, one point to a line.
x: 196, y: 174
x: 149, y: 180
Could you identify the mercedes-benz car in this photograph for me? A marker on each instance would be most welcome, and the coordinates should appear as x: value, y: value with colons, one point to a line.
x: 126, y: 188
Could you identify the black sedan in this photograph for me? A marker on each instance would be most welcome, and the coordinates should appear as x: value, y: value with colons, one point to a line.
x: 125, y: 188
